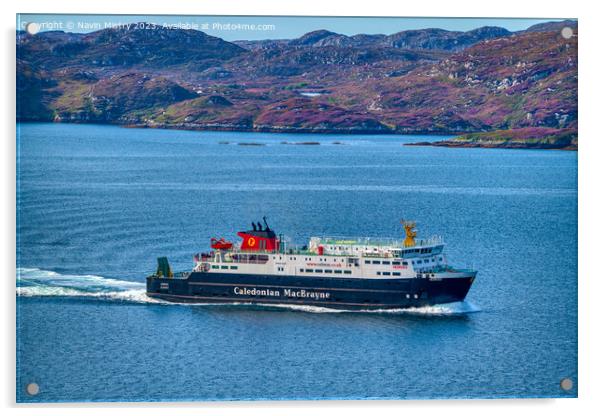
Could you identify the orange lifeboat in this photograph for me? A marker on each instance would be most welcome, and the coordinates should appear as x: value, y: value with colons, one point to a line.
x: 220, y: 244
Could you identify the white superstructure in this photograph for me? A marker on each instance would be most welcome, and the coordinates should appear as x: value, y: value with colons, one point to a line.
x: 334, y: 257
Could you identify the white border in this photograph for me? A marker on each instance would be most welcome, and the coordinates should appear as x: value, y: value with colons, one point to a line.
x: 590, y: 209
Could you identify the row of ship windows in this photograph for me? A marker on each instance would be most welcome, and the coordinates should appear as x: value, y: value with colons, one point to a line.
x: 426, y: 261
x: 388, y: 274
x: 321, y: 259
x: 309, y: 259
x: 394, y: 263
x: 418, y: 250
x: 405, y: 263
x: 325, y: 271
x: 385, y: 262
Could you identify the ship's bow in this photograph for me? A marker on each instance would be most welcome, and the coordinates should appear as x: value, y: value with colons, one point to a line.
x: 450, y: 286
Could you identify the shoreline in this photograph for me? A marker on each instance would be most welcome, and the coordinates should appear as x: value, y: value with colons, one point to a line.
x: 460, y: 139
x: 515, y: 146
x: 536, y: 138
x: 246, y: 129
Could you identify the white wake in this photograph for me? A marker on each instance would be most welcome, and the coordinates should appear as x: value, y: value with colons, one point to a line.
x: 33, y: 282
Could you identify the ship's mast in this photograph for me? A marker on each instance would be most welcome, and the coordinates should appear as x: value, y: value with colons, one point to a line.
x: 410, y: 240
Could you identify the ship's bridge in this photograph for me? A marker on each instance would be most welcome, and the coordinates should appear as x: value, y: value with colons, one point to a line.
x: 376, y: 247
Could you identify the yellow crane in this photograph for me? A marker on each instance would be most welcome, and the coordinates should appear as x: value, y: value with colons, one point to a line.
x: 410, y: 240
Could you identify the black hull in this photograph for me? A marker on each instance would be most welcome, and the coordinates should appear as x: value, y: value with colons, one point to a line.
x: 326, y: 292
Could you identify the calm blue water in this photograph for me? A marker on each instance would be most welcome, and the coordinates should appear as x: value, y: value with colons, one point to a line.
x: 98, y: 204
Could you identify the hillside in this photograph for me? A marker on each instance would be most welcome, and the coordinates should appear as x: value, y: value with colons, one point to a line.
x: 157, y: 48
x: 524, y: 80
x: 421, y: 81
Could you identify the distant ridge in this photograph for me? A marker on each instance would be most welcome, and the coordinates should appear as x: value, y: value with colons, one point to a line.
x: 552, y: 26
x: 126, y: 47
x: 422, y: 39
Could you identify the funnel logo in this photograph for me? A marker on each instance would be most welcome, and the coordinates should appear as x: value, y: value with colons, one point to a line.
x: 251, y: 242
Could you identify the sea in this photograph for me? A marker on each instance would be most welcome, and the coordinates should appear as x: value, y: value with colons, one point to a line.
x: 97, y: 204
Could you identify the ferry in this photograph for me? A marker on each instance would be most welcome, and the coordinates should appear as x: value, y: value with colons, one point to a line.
x: 347, y: 273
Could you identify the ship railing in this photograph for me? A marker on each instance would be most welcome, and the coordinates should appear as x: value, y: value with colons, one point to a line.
x: 178, y: 275
x: 375, y: 241
x: 296, y: 251
x: 442, y: 269
x: 355, y: 250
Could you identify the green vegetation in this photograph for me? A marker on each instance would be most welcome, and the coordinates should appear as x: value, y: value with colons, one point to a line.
x: 296, y: 86
x: 527, y: 138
